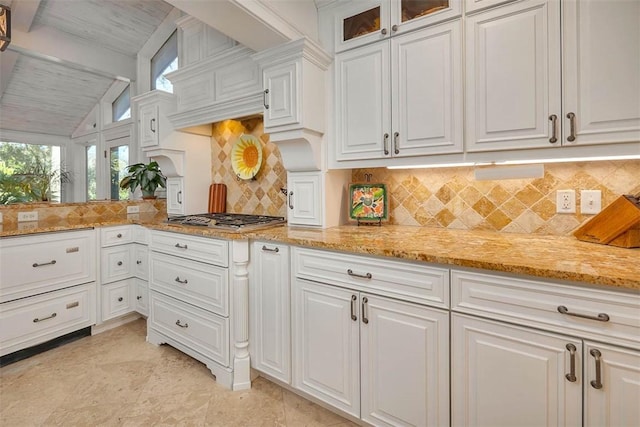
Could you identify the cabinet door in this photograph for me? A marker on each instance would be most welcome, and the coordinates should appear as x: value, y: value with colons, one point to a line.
x: 601, y: 71
x: 141, y: 261
x: 269, y: 290
x: 305, y: 198
x: 361, y: 22
x: 363, y: 96
x: 326, y: 359
x: 117, y: 299
x: 148, y: 126
x: 407, y: 15
x: 427, y: 91
x: 513, y: 76
x: 175, y: 196
x: 615, y: 401
x: 509, y: 376
x: 141, y: 297
x: 281, y: 98
x: 405, y: 363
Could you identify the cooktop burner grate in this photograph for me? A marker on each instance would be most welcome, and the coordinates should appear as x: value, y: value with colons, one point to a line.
x: 227, y: 220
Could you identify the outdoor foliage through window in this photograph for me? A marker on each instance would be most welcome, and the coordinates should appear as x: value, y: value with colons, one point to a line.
x: 30, y: 173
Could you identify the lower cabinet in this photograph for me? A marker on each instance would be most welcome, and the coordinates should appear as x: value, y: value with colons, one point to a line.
x: 269, y: 305
x: 141, y: 297
x: 117, y: 298
x: 378, y: 359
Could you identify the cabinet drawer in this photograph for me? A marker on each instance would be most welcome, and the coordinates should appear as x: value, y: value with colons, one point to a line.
x: 198, y: 329
x: 116, y: 263
x: 200, y: 284
x: 211, y: 251
x: 116, y: 299
x: 140, y: 234
x: 41, y: 263
x: 399, y: 279
x: 30, y: 321
x: 536, y: 303
x: 110, y: 236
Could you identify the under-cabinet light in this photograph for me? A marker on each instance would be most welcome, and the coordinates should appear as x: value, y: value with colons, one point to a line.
x: 509, y: 172
x: 437, y: 165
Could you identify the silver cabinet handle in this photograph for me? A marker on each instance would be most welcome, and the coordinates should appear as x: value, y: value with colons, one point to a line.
x: 396, y: 144
x: 394, y: 28
x: 35, y: 264
x: 365, y: 320
x: 290, y: 199
x: 186, y: 325
x: 179, y: 246
x: 364, y: 276
x: 266, y: 249
x: 139, y: 297
x: 384, y: 31
x: 119, y: 236
x: 571, y: 376
x: 386, y: 144
x: 179, y: 197
x: 120, y: 299
x: 184, y: 282
x: 138, y: 262
x: 354, y: 300
x: 572, y: 127
x: 597, y: 383
x: 151, y: 123
x: 119, y: 263
x: 601, y: 317
x: 554, y: 128
x: 36, y: 320
x: 264, y: 99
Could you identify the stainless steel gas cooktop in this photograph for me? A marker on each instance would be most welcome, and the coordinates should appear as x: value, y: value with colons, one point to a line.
x: 229, y: 221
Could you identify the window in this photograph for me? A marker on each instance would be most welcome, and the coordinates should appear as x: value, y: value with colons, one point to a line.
x: 163, y: 62
x: 90, y: 173
x: 31, y: 173
x: 121, y: 107
x: 118, y: 162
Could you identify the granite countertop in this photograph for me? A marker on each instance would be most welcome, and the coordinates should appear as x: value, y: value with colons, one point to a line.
x: 553, y: 257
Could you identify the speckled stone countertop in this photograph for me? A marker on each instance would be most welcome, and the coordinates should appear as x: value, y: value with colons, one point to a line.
x: 552, y: 257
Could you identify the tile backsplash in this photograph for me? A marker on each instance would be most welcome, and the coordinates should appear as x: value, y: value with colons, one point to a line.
x: 452, y: 198
x: 262, y: 195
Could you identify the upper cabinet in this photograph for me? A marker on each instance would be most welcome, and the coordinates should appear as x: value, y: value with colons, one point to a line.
x: 401, y: 97
x: 198, y: 41
x: 153, y: 126
x: 524, y: 89
x: 358, y: 23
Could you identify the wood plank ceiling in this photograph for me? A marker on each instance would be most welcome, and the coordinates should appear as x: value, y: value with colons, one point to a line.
x: 49, y: 97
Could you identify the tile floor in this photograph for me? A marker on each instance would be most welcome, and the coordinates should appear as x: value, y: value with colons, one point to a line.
x: 117, y: 379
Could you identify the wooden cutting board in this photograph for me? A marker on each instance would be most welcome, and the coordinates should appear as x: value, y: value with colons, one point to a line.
x: 618, y: 224
x: 217, y: 198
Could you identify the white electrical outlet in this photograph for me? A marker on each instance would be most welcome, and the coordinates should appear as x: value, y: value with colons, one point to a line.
x: 133, y: 209
x: 0, y: 217
x: 590, y: 201
x: 27, y: 216
x: 566, y: 201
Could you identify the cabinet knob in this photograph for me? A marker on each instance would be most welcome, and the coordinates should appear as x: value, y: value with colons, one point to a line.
x: 384, y: 31
x: 119, y: 236
x: 120, y: 299
x: 139, y: 297
x: 394, y: 28
x: 138, y: 262
x: 119, y: 263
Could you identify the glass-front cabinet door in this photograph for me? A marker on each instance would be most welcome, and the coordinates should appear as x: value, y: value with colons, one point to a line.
x: 360, y: 22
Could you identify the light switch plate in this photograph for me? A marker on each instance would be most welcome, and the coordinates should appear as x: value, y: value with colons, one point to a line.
x: 590, y: 202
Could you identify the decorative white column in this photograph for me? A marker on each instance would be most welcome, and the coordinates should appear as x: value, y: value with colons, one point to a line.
x: 241, y: 360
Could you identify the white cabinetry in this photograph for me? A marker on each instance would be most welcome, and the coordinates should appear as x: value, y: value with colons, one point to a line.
x: 401, y: 97
x: 153, y: 125
x: 269, y: 304
x: 516, y: 66
x: 504, y: 373
x: 117, y: 271
x: 175, y: 196
x: 189, y: 299
x: 358, y: 23
x: 304, y: 198
x: 380, y: 359
x: 197, y: 41
x: 47, y: 287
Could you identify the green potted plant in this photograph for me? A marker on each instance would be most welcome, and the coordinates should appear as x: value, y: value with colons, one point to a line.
x: 147, y: 176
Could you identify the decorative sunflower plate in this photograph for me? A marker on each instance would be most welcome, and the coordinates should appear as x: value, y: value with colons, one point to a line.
x: 246, y: 156
x: 368, y: 202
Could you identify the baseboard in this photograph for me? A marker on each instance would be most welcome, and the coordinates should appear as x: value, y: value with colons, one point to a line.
x: 16, y: 356
x: 114, y: 323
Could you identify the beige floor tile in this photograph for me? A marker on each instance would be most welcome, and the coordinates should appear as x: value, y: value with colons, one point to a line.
x: 302, y: 412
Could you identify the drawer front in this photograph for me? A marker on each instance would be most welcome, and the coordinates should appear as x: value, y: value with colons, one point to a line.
x: 35, y: 264
x: 116, y: 263
x: 140, y: 261
x: 119, y: 235
x: 536, y: 303
x: 399, y: 279
x: 195, y: 328
x: 204, y: 285
x: 211, y: 251
x: 141, y: 297
x: 30, y: 321
x: 116, y: 299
